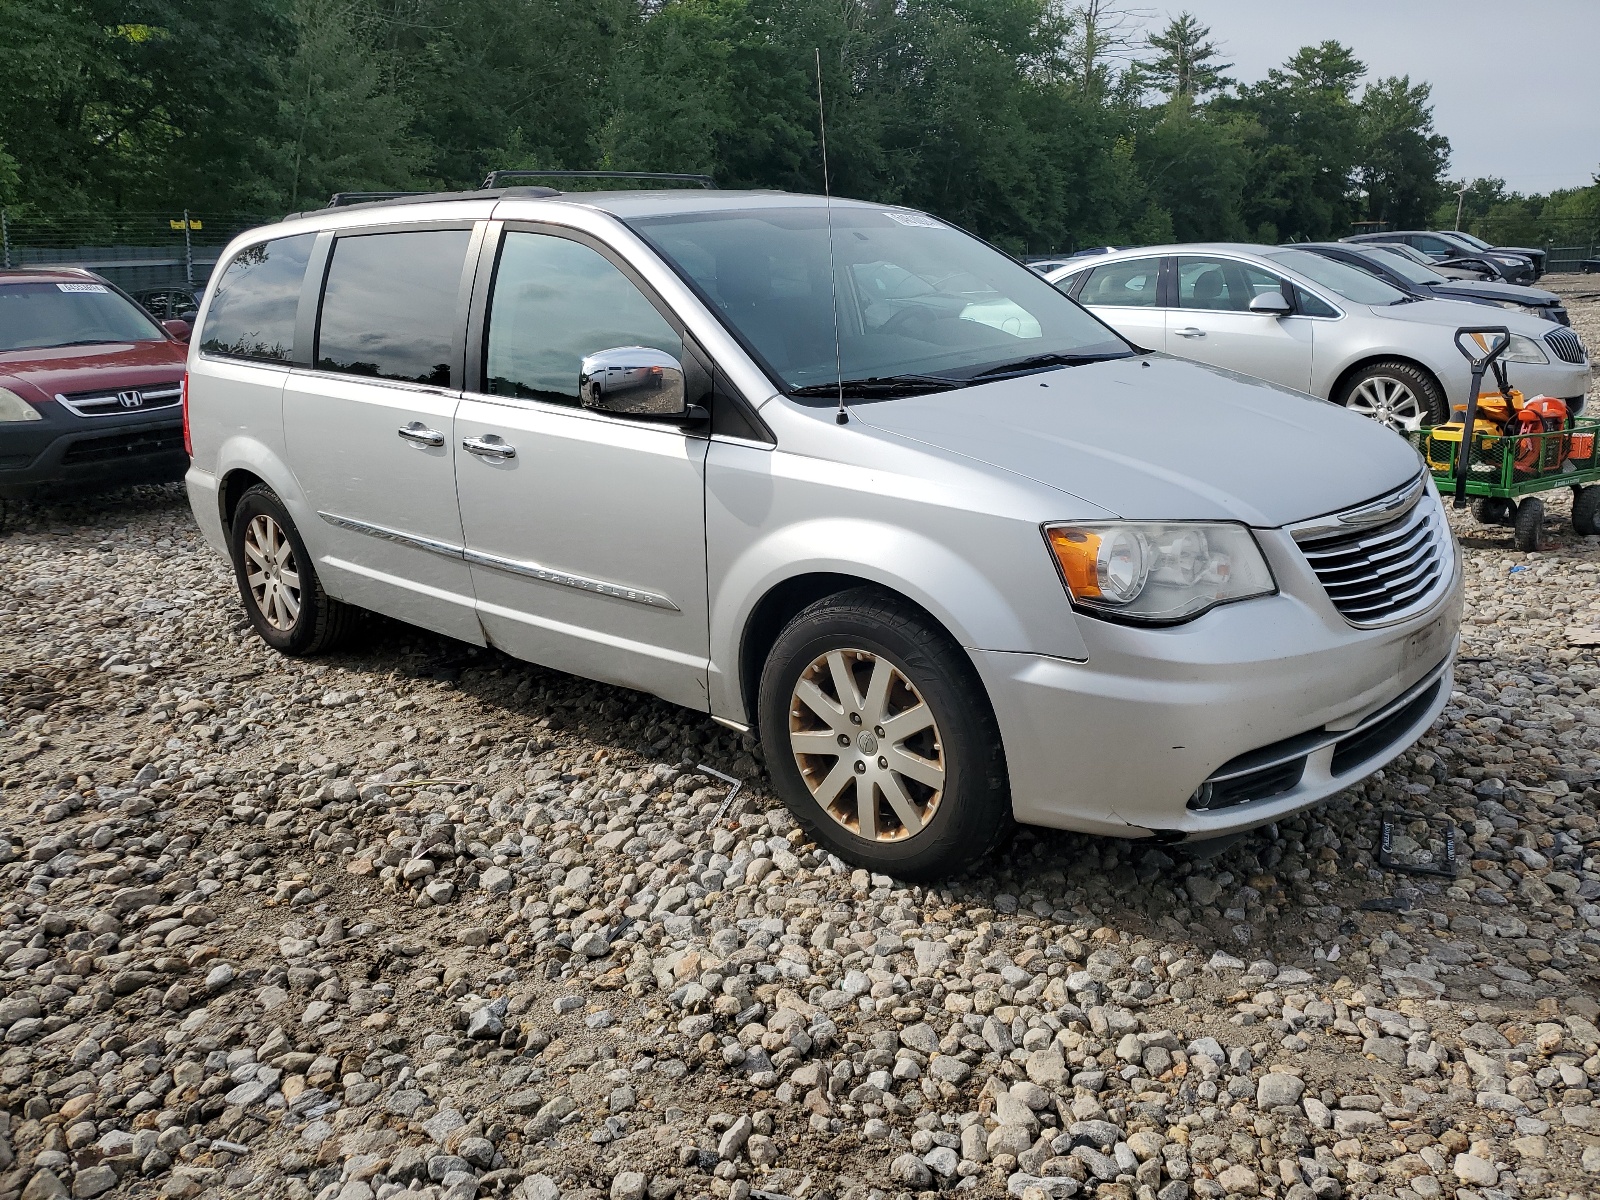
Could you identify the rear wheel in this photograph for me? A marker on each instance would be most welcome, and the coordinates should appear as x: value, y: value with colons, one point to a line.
x: 1397, y: 394
x: 1528, y: 525
x: 1586, y: 510
x: 880, y: 740
x: 278, y: 583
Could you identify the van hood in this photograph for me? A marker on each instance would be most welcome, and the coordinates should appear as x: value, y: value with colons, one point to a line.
x: 1160, y: 438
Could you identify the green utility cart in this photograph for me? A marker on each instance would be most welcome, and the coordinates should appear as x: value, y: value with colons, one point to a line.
x: 1503, y: 472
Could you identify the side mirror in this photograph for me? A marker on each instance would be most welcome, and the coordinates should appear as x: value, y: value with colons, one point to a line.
x: 632, y: 381
x: 178, y: 328
x: 1270, y: 304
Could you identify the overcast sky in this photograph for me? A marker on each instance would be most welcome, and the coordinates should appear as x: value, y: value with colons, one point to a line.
x: 1516, y: 87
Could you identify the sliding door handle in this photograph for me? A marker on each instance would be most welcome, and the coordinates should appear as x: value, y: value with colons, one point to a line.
x: 489, y: 447
x: 419, y: 434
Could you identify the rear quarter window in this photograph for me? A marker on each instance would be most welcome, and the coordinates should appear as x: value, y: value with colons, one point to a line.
x: 252, y: 311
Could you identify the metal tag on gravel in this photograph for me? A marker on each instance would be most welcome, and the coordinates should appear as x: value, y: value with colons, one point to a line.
x: 734, y: 791
x: 1445, y: 867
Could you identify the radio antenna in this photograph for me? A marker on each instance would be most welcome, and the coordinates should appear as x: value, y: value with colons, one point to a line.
x: 842, y: 416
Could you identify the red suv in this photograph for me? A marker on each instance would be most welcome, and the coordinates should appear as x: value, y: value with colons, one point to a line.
x: 90, y: 386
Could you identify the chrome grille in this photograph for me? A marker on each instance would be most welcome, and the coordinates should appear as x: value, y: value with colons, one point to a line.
x: 1382, y: 561
x: 1566, y: 345
x: 126, y: 400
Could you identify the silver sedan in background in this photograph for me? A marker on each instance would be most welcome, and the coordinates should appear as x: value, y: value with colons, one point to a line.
x: 1295, y: 318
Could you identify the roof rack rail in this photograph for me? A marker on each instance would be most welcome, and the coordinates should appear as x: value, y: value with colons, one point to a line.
x: 344, y: 199
x: 499, y: 178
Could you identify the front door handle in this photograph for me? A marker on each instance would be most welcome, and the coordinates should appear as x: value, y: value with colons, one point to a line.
x: 419, y: 434
x: 1190, y: 332
x: 489, y: 447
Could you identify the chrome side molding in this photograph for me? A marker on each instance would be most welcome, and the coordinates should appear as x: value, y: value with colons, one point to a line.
x: 582, y: 583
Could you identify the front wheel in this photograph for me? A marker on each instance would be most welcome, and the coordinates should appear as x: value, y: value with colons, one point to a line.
x: 278, y: 583
x: 1527, y: 527
x: 880, y: 739
x: 1396, y: 394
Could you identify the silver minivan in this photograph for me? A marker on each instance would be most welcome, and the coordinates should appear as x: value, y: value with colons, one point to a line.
x: 838, y: 474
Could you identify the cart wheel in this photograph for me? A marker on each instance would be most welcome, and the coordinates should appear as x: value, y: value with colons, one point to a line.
x: 1527, y: 525
x: 1491, y: 510
x: 1586, y: 510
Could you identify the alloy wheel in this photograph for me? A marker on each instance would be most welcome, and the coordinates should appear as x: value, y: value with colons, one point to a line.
x: 272, y: 573
x: 1388, y: 401
x: 867, y: 745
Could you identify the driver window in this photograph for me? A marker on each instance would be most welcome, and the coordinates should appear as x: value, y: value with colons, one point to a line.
x: 554, y: 302
x: 1222, y: 285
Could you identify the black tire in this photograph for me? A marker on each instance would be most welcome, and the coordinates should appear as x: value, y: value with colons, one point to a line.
x: 315, y: 622
x: 1528, y: 525
x: 1430, y: 401
x: 966, y: 817
x: 1586, y: 511
x: 1490, y: 510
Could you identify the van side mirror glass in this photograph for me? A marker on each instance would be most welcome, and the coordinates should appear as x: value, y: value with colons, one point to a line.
x: 632, y: 381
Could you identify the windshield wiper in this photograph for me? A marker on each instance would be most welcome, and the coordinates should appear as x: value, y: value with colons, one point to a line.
x: 81, y: 342
x: 882, y: 385
x: 1040, y: 362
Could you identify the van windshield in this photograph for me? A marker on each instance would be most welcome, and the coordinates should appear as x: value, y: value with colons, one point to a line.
x: 919, y: 303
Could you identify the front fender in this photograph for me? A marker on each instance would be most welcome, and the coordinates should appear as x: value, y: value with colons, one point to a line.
x: 962, y: 594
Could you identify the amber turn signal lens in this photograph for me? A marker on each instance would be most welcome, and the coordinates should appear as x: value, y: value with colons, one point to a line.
x: 1077, y: 551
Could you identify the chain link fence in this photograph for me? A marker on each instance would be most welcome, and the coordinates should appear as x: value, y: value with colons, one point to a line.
x: 135, y: 250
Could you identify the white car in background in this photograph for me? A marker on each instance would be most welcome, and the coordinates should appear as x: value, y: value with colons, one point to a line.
x: 1295, y: 318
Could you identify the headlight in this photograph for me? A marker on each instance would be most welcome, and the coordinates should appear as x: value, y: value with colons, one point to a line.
x: 14, y: 408
x: 1158, y: 573
x: 1524, y: 350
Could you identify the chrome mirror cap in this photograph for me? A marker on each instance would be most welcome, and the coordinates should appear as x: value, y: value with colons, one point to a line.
x: 632, y: 380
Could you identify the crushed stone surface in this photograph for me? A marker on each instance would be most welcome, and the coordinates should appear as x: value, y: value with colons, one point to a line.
x: 420, y: 920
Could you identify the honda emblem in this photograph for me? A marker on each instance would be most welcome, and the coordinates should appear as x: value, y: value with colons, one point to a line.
x: 130, y: 399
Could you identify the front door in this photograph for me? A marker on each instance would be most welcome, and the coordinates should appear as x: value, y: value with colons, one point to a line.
x: 369, y: 430
x: 585, y: 533
x: 1213, y: 322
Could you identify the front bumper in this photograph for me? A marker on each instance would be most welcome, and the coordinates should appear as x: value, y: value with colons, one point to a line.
x: 64, y: 452
x: 1278, y: 703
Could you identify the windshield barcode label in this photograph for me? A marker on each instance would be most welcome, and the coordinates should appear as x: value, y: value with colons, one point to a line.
x: 84, y: 287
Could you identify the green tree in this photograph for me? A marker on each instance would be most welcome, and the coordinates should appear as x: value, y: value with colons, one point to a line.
x: 1186, y: 65
x: 338, y: 126
x: 1301, y: 180
x: 1402, y: 160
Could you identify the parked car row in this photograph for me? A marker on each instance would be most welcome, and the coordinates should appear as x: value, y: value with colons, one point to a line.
x: 1317, y: 320
x: 1514, y: 264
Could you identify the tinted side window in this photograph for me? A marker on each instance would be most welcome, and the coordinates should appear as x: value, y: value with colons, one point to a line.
x: 389, y: 305
x: 1130, y: 284
x: 554, y: 302
x: 253, y: 308
x: 1223, y: 285
x: 1432, y: 246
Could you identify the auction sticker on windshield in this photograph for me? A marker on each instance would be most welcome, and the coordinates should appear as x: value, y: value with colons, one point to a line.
x: 84, y: 287
x: 914, y: 219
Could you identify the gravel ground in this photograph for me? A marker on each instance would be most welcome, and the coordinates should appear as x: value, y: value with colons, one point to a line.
x: 419, y: 920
